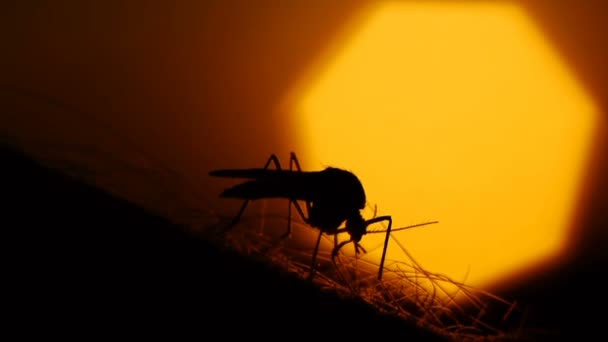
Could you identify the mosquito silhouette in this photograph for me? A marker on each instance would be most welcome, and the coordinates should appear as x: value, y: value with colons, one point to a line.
x: 333, y: 196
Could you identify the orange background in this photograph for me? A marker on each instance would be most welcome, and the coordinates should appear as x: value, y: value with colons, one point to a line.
x: 197, y: 85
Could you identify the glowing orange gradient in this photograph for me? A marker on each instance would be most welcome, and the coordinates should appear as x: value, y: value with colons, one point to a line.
x: 456, y: 112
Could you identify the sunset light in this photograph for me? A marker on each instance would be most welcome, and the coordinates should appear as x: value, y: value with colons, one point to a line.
x: 457, y: 112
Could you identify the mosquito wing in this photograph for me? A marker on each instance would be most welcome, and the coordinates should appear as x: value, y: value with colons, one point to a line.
x: 266, y: 183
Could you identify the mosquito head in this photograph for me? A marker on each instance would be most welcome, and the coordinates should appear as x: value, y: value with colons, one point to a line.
x: 356, y: 226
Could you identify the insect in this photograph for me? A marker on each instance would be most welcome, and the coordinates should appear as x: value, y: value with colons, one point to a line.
x: 332, y: 196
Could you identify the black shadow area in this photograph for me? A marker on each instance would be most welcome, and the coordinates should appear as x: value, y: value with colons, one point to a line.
x: 80, y: 262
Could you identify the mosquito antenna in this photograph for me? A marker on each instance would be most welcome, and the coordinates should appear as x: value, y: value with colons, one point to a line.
x: 403, y: 228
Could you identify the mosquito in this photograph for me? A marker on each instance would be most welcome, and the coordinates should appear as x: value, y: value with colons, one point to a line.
x: 332, y: 196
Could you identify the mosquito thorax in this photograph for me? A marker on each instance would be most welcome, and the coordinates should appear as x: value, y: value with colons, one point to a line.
x: 343, y: 188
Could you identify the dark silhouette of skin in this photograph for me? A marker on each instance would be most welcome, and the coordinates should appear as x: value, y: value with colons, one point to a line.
x: 332, y: 196
x: 73, y: 245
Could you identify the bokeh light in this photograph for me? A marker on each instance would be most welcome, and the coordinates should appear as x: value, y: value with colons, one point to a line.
x: 459, y: 112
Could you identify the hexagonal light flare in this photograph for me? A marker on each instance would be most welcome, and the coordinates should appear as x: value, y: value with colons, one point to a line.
x: 457, y: 112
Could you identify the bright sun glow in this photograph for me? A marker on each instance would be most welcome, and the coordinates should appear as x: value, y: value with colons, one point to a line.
x: 461, y: 113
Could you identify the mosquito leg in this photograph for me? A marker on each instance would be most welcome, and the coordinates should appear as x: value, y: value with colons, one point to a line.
x: 293, y: 161
x: 272, y: 159
x: 292, y: 158
x: 313, y: 265
x: 288, y: 232
x: 237, y: 218
x: 337, y: 248
x: 300, y: 211
x: 388, y: 234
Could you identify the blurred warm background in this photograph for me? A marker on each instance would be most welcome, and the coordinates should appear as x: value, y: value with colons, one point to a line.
x: 488, y: 116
